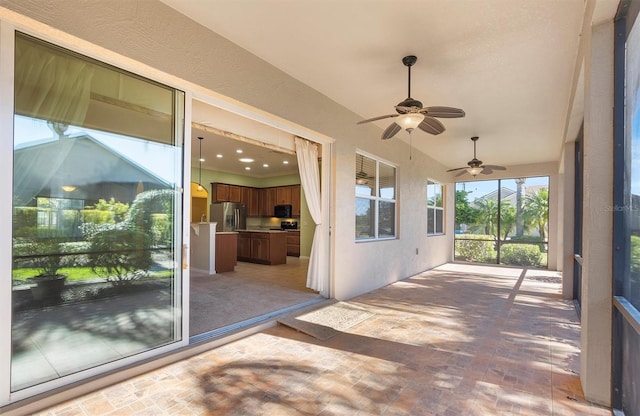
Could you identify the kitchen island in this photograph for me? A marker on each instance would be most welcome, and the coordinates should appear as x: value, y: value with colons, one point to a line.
x: 262, y: 246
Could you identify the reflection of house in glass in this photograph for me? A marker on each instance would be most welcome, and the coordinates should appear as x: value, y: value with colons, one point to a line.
x: 73, y: 172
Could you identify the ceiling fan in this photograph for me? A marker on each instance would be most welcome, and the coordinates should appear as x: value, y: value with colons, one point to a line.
x: 411, y: 114
x: 361, y: 176
x: 475, y: 166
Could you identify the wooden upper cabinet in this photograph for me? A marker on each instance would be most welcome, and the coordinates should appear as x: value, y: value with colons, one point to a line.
x: 253, y: 207
x: 283, y: 195
x: 295, y: 200
x: 245, y: 195
x: 235, y: 193
x: 220, y: 192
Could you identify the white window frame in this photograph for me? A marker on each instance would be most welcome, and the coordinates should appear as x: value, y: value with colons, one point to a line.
x: 377, y: 199
x: 436, y: 208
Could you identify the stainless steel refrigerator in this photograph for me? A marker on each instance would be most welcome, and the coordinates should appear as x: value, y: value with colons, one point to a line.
x: 230, y: 216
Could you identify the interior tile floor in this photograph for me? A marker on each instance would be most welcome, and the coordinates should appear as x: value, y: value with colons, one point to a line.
x: 249, y: 291
x: 457, y: 340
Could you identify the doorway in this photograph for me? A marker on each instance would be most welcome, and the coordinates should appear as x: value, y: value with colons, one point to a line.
x: 251, y: 176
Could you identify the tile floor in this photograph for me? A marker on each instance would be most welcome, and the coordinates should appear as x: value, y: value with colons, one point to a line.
x: 457, y: 340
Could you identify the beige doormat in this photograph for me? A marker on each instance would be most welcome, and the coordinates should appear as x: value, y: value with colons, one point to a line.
x: 325, y: 322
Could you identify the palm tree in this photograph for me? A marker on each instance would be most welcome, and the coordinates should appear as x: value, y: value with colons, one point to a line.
x: 487, y: 215
x: 536, y: 211
x: 508, y: 218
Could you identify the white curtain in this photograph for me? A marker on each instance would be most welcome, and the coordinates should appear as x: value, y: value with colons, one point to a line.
x: 50, y: 85
x: 307, y: 154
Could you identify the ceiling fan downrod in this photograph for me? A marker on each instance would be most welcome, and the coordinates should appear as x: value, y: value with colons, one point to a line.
x: 408, y: 61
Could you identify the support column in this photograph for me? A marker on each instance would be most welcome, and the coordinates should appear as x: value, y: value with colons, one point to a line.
x: 597, y: 274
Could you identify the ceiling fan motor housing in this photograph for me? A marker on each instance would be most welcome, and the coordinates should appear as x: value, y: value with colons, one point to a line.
x: 409, y: 102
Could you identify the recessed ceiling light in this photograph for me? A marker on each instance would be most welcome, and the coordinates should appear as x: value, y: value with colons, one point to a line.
x: 286, y: 162
x: 219, y: 156
x: 266, y: 165
x: 246, y: 160
x: 247, y: 168
x: 239, y: 151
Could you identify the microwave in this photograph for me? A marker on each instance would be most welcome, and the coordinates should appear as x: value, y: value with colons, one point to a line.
x: 282, y: 211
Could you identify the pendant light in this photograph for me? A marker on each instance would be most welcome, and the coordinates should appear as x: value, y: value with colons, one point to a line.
x: 200, y: 187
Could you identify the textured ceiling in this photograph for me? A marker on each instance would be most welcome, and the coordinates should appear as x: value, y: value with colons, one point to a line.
x: 509, y: 64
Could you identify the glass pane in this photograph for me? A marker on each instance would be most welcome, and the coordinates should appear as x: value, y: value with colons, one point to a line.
x: 476, y: 221
x: 365, y: 175
x: 434, y: 194
x: 365, y: 226
x: 95, y: 214
x: 439, y: 221
x: 431, y: 224
x: 387, y: 181
x: 387, y: 221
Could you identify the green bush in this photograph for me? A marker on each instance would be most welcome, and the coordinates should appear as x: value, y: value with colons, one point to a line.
x: 520, y: 254
x: 95, y: 216
x: 475, y: 247
x: 161, y: 229
x: 120, y: 255
x: 532, y: 239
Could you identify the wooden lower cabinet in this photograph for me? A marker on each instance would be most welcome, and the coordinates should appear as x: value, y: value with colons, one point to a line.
x: 293, y: 243
x: 262, y: 247
x: 226, y: 252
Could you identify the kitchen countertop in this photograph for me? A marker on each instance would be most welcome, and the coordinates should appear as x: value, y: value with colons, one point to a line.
x: 260, y: 231
x: 226, y: 232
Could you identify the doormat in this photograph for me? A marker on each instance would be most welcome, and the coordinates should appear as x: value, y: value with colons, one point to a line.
x: 328, y: 321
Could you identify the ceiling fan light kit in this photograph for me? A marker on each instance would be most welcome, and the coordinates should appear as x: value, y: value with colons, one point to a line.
x: 411, y: 114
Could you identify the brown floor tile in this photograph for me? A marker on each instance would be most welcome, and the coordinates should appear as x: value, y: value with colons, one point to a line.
x: 457, y: 340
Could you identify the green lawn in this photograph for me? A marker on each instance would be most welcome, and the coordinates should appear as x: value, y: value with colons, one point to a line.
x: 75, y: 273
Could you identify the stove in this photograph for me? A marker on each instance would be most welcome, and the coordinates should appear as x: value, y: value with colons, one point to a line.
x: 289, y: 225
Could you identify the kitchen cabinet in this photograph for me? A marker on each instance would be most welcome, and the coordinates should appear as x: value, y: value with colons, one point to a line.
x: 283, y: 195
x: 219, y: 192
x: 253, y: 207
x: 244, y: 246
x: 235, y: 193
x: 263, y: 247
x: 259, y: 201
x: 268, y: 199
x: 226, y: 251
x: 293, y: 243
x: 295, y: 200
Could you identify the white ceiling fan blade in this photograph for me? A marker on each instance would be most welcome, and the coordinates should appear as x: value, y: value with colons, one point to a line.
x: 443, y: 112
x: 391, y: 131
x: 377, y: 118
x: 431, y: 125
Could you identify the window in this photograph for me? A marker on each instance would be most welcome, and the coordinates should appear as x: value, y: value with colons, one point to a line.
x: 435, y: 208
x: 375, y: 199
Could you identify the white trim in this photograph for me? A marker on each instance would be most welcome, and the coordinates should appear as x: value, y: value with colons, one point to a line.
x: 6, y: 185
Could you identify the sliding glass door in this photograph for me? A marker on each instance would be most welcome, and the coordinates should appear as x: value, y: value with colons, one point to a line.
x: 96, y: 214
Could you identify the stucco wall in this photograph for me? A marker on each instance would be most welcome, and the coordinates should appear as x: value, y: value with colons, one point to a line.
x: 154, y: 34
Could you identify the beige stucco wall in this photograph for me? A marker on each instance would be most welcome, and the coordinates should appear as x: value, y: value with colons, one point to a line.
x: 597, y: 228
x: 151, y: 33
